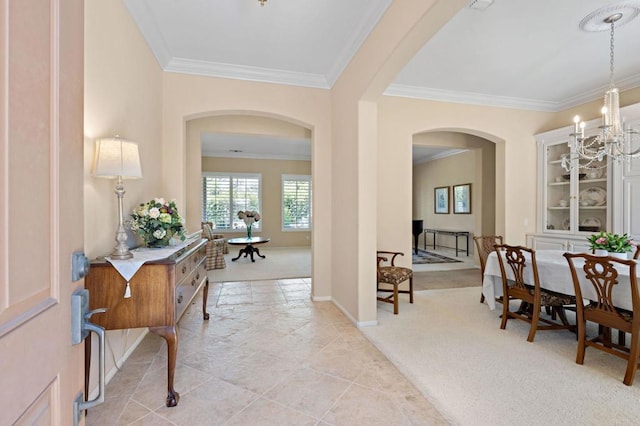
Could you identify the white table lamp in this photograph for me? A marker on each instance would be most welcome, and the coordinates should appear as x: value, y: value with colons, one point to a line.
x: 117, y: 158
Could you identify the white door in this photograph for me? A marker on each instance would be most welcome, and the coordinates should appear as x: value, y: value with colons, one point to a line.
x: 41, y: 209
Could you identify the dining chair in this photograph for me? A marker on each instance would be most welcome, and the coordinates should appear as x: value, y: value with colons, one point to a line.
x: 389, y: 273
x: 636, y: 255
x: 529, y: 292
x: 484, y: 246
x: 601, y: 274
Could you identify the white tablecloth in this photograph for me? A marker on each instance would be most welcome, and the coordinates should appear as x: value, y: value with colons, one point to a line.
x: 554, y: 275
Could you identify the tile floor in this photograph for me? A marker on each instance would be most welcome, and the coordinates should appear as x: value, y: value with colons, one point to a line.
x: 267, y: 356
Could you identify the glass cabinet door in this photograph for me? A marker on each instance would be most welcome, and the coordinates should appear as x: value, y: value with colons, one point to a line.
x: 558, y: 189
x: 576, y: 201
x: 592, y: 197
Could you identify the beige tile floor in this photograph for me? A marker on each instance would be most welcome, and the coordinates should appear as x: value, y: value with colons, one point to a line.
x: 267, y: 356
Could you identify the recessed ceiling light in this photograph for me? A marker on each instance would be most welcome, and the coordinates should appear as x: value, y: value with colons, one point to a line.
x: 235, y: 150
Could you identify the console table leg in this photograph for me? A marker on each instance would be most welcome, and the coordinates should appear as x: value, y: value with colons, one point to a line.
x: 171, y: 336
x: 205, y: 296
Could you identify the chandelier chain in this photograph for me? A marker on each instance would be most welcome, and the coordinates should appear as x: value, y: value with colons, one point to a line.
x: 611, y: 53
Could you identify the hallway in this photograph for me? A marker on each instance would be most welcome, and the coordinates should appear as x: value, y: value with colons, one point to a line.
x: 267, y: 356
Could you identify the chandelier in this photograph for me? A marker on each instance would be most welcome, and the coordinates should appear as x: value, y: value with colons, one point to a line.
x: 614, y: 140
x: 262, y: 2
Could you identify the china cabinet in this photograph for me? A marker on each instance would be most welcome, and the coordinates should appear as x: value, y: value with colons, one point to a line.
x: 590, y: 197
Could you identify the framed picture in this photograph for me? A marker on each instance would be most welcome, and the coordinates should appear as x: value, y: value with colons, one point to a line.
x: 462, y: 199
x: 441, y: 200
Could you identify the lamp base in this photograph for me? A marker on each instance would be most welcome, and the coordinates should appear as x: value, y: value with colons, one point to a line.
x: 119, y: 255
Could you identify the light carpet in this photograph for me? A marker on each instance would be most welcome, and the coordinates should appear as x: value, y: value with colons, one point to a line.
x: 280, y: 262
x: 451, y: 347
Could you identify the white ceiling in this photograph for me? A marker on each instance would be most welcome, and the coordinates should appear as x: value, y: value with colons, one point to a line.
x: 516, y: 53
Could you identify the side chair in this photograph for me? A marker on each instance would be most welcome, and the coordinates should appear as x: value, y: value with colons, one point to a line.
x: 601, y: 274
x: 484, y: 245
x: 518, y: 260
x: 389, y: 273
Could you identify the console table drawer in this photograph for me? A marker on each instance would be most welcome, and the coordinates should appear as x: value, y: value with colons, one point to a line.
x: 186, y: 290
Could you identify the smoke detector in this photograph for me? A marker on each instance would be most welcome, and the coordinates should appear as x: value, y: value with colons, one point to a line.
x: 480, y: 4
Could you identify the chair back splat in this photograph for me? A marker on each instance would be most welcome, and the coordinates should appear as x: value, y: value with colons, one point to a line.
x: 597, y: 279
x: 484, y: 246
x: 390, y: 274
x: 520, y: 281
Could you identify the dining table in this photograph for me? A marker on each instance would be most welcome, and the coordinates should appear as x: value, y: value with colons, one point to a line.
x: 554, y: 275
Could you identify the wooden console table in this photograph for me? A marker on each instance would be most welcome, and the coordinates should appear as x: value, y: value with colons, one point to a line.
x: 456, y: 234
x: 160, y: 292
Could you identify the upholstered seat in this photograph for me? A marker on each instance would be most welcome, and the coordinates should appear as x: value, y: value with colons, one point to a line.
x: 215, y: 248
x: 389, y: 273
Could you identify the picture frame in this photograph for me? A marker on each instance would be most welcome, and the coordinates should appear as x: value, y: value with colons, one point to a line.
x: 462, y: 199
x: 441, y: 200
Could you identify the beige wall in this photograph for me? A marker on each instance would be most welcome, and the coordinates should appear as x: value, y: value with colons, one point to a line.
x: 123, y: 95
x: 188, y: 97
x: 271, y: 171
x: 476, y: 166
x: 226, y: 124
x: 511, y: 130
x: 449, y: 171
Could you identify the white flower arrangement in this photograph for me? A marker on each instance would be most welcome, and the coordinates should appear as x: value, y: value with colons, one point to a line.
x: 249, y: 217
x: 157, y: 222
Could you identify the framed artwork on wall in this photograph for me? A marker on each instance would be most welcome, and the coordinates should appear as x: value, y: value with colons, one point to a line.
x: 441, y: 200
x: 462, y: 199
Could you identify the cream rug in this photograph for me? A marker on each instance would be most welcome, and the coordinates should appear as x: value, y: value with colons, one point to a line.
x: 451, y: 347
x: 280, y: 262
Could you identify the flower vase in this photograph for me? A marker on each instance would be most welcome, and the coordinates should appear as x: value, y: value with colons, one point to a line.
x: 249, y: 232
x: 622, y: 256
x: 601, y: 252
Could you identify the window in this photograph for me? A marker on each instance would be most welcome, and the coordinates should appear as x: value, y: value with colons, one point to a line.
x: 225, y: 194
x: 296, y: 202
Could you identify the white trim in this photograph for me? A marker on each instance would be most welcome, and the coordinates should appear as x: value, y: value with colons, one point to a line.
x: 243, y: 72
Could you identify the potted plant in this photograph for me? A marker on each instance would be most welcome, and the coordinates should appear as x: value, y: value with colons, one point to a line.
x: 607, y: 243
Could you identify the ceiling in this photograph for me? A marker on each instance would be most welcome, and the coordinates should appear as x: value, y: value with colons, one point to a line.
x: 515, y: 53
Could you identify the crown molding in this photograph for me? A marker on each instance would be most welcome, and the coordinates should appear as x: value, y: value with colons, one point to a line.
x: 242, y: 72
x: 441, y: 155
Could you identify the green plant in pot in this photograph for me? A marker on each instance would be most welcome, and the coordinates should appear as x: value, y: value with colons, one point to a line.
x: 610, y: 242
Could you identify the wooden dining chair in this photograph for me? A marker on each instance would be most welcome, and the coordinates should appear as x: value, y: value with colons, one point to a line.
x: 484, y: 246
x: 601, y: 273
x: 533, y: 297
x: 636, y: 255
x: 389, y: 273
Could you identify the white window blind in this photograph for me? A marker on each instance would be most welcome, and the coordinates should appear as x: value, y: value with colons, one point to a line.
x: 296, y: 202
x: 224, y: 194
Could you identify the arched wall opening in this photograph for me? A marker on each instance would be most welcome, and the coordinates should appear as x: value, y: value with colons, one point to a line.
x: 249, y: 124
x: 465, y: 159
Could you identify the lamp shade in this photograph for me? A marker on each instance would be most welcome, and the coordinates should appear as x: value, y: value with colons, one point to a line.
x: 116, y: 157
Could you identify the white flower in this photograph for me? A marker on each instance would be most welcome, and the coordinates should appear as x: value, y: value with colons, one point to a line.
x: 160, y: 201
x: 159, y: 233
x: 154, y: 213
x: 165, y: 218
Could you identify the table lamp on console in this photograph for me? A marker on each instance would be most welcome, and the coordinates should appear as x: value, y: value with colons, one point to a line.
x: 116, y: 158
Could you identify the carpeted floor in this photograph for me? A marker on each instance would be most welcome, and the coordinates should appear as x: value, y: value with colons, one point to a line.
x: 424, y: 256
x: 450, y: 346
x: 279, y: 262
x: 432, y: 280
